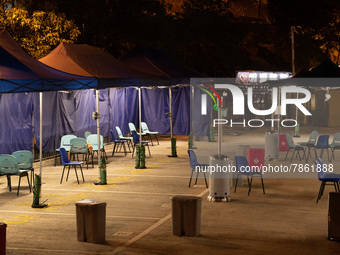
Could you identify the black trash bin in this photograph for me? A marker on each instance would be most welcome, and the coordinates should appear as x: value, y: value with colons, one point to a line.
x: 334, y: 216
x: 186, y: 215
x: 91, y: 220
x: 3, y: 227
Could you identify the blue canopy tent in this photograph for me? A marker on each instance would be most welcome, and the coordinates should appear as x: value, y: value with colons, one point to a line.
x: 157, y: 62
x: 21, y: 73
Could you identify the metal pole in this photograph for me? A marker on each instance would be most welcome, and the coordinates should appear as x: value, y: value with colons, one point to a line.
x: 170, y: 115
x: 192, y: 116
x: 293, y: 66
x: 40, y: 131
x: 219, y: 129
x: 140, y: 115
x: 98, y: 128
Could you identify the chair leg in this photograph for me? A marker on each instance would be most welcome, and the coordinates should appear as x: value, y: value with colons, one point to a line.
x: 192, y: 171
x: 206, y: 184
x: 320, y: 191
x: 236, y: 183
x: 157, y: 139
x: 262, y: 185
x: 133, y: 151
x: 149, y: 149
x: 335, y: 187
x: 9, y: 182
x: 75, y: 170
x: 337, y: 184
x: 68, y: 172
x: 81, y: 170
x: 286, y: 155
x: 197, y: 176
x: 62, y: 175
x: 113, y: 151
x: 19, y: 185
x: 328, y: 155
x: 292, y: 156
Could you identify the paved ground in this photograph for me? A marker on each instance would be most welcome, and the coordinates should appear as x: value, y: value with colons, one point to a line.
x: 286, y: 220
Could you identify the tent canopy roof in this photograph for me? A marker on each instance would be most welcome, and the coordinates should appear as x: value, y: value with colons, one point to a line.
x: 157, y: 62
x: 20, y: 72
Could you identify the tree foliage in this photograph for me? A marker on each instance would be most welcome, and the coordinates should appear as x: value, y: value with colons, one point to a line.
x: 38, y: 32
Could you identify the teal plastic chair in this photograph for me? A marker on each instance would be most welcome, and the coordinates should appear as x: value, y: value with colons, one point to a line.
x: 87, y: 133
x: 133, y: 128
x: 145, y: 129
x: 79, y: 146
x: 294, y: 147
x: 64, y: 143
x: 9, y: 167
x: 335, y: 145
x: 25, y: 162
x: 129, y: 139
x: 310, y: 143
x: 93, y: 140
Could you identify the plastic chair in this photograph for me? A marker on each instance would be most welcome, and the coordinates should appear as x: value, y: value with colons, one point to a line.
x: 310, y: 143
x: 335, y: 145
x: 243, y: 168
x: 117, y: 143
x: 137, y: 141
x: 145, y: 129
x: 294, y: 147
x: 325, y: 178
x: 25, y: 162
x: 79, y: 146
x: 133, y: 128
x: 87, y: 133
x: 93, y: 140
x: 66, y: 162
x: 9, y: 167
x: 129, y: 139
x: 194, y: 165
x: 322, y: 144
x: 64, y: 143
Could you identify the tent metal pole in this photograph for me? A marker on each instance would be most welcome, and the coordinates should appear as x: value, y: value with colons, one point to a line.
x: 40, y: 131
x: 170, y: 104
x: 140, y: 115
x: 219, y: 129
x: 98, y: 128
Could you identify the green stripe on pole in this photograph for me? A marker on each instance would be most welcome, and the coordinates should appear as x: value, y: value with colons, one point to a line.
x: 36, y: 190
x: 137, y: 162
x: 102, y: 171
x: 173, y: 147
x: 142, y: 157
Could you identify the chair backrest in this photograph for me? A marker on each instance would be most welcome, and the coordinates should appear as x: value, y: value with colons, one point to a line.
x: 8, y: 164
x: 320, y: 169
x: 322, y: 141
x: 119, y: 132
x: 87, y: 133
x: 290, y: 140
x: 135, y: 136
x: 193, y: 159
x: 336, y: 139
x: 256, y: 159
x: 132, y: 127
x: 313, y: 136
x: 65, y: 141
x: 24, y: 159
x: 78, y: 145
x: 242, y: 164
x: 144, y: 127
x: 93, y: 140
x: 63, y: 156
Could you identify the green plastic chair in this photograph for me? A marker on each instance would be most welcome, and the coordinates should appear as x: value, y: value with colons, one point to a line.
x: 79, y: 146
x: 310, y: 143
x: 93, y: 140
x: 64, y: 143
x: 145, y: 129
x: 294, y: 147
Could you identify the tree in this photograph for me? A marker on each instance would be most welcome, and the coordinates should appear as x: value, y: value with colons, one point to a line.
x: 38, y: 32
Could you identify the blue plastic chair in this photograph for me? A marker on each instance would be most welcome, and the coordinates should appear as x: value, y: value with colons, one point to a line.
x: 66, y: 162
x: 145, y: 129
x: 326, y: 179
x: 9, y: 167
x: 294, y: 147
x: 194, y: 165
x: 322, y: 144
x: 25, y: 161
x: 242, y: 168
x: 335, y: 145
x: 64, y: 143
x: 310, y: 143
x: 137, y: 141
